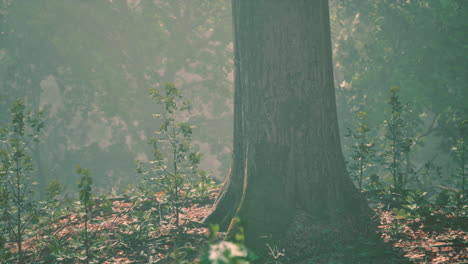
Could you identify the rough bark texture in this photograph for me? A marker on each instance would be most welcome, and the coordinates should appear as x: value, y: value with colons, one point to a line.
x: 288, y: 163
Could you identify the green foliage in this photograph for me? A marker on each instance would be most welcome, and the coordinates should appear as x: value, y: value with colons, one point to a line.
x: 442, y: 199
x: 4, y: 251
x: 70, y: 232
x: 390, y: 198
x: 18, y: 209
x: 367, y: 35
x: 84, y: 187
x: 397, y: 227
x: 54, y: 190
x: 458, y: 205
x: 399, y: 140
x: 413, y: 208
x: 205, y: 184
x: 461, y: 153
x: 95, y: 87
x: 140, y: 235
x: 174, y: 166
x: 378, y: 43
x: 363, y: 151
x: 50, y: 212
x: 417, y: 205
x: 85, y: 196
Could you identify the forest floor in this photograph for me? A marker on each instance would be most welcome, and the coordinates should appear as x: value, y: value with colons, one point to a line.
x: 442, y: 238
x: 142, y: 230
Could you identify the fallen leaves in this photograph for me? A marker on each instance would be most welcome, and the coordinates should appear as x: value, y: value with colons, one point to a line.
x: 421, y: 243
x: 126, y: 230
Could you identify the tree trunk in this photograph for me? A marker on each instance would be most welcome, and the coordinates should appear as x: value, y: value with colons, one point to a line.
x: 289, y: 181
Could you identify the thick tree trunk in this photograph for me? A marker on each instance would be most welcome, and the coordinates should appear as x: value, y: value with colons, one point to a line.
x: 289, y: 181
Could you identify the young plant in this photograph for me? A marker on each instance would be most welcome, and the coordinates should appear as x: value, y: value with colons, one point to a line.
x: 400, y: 143
x: 461, y: 152
x: 458, y: 205
x: 205, y: 184
x: 417, y: 204
x: 86, y: 200
x: 18, y: 207
x: 51, y: 211
x: 4, y: 196
x: 363, y: 150
x: 174, y: 166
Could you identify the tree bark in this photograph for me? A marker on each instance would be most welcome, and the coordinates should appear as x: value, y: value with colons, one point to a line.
x: 289, y: 180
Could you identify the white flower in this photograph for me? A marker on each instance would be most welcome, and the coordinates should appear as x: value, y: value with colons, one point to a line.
x: 221, y: 252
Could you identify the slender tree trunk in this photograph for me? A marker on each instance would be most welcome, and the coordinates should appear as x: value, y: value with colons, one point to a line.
x: 289, y: 182
x: 406, y: 177
x: 463, y: 166
x: 394, y: 151
x: 19, y: 219
x: 86, y: 233
x: 18, y: 197
x: 361, y: 164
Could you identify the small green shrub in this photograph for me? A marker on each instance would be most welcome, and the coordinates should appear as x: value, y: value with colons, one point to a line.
x: 173, y: 169
x: 417, y: 205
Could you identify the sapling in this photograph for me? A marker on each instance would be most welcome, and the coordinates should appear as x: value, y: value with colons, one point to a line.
x: 18, y: 207
x: 363, y: 149
x: 174, y: 166
x: 399, y: 141
x: 4, y: 198
x: 204, y: 185
x: 461, y: 151
x: 86, y: 199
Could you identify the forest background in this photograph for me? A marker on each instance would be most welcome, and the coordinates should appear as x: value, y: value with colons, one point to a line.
x: 89, y: 65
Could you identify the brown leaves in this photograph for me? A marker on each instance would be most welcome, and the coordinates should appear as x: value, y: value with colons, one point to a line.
x: 421, y: 244
x: 118, y: 226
